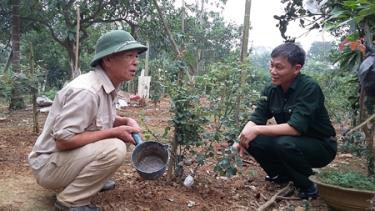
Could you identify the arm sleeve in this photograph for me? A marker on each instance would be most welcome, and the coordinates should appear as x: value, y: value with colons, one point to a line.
x: 79, y: 109
x: 307, y: 104
x: 262, y: 111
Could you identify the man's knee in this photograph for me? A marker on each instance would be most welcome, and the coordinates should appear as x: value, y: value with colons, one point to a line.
x: 115, y: 151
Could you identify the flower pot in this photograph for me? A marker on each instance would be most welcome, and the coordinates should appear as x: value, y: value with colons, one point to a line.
x: 345, y: 199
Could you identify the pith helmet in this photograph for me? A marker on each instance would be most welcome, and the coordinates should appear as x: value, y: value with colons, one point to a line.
x: 113, y: 42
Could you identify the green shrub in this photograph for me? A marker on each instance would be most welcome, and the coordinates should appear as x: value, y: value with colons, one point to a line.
x: 5, y: 87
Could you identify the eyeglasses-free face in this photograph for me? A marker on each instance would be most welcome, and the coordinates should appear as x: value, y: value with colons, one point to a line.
x: 122, y: 66
x: 282, y: 72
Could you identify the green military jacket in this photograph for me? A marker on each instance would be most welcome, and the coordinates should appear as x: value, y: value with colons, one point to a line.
x: 301, y: 106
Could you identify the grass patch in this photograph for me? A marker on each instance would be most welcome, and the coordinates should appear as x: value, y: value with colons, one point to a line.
x: 348, y: 180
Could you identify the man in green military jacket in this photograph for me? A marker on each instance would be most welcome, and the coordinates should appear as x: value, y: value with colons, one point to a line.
x: 303, y: 137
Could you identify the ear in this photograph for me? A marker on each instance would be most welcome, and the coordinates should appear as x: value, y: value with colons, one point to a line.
x: 297, y: 69
x: 106, y: 61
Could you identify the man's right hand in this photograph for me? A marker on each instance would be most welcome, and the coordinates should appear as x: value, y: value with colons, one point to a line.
x: 124, y: 133
x: 248, y: 134
x: 239, y: 149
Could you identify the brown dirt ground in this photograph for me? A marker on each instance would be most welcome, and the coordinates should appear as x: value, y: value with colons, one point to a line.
x: 246, y: 191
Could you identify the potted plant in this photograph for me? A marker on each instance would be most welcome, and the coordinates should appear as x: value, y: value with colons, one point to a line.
x: 347, y: 191
x: 347, y: 186
x: 351, y: 190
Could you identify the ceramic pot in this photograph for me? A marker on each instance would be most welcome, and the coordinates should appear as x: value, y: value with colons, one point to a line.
x: 345, y: 199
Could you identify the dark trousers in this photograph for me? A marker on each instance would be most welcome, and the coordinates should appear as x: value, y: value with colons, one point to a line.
x: 292, y: 156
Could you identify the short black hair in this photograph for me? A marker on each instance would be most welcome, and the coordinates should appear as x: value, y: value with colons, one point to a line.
x: 291, y: 51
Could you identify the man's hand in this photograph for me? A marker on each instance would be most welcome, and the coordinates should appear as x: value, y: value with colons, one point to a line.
x: 125, y: 121
x: 124, y: 133
x: 124, y: 127
x: 248, y: 134
x: 239, y: 149
x: 132, y: 122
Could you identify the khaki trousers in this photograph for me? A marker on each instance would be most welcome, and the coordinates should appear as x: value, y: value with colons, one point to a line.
x: 81, y: 172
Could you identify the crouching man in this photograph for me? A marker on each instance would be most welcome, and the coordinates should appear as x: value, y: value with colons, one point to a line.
x: 83, y: 140
x: 303, y: 137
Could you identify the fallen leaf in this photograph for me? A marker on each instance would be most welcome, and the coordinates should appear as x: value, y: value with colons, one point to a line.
x: 347, y: 155
x: 191, y: 203
x: 171, y: 199
x: 299, y: 209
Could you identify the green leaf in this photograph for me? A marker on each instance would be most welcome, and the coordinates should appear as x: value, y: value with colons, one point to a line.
x: 231, y: 171
x: 337, y: 13
x: 352, y: 4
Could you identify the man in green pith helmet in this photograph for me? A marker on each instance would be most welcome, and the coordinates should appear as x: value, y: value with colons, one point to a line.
x: 303, y: 137
x: 83, y: 140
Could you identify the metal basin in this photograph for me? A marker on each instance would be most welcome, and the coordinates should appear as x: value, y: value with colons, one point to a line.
x: 149, y: 158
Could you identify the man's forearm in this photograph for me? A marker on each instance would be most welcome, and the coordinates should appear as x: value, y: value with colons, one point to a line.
x: 276, y: 130
x: 83, y: 139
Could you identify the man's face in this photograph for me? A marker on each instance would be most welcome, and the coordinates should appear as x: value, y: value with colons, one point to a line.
x: 282, y: 72
x: 122, y: 66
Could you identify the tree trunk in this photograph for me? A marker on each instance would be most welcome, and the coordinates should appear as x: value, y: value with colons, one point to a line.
x: 34, y: 91
x: 199, y: 51
x: 70, y: 47
x: 245, y: 38
x: 369, y: 130
x: 147, y: 58
x: 77, y: 71
x: 183, y: 16
x: 172, y: 162
x: 16, y: 25
x: 16, y: 100
x: 167, y: 30
x: 244, y: 54
x: 73, y: 50
x: 8, y: 61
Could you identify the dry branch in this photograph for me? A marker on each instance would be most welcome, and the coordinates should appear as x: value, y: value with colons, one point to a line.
x: 360, y: 125
x: 281, y: 193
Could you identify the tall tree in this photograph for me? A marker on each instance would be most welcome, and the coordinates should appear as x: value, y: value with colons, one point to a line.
x: 16, y: 101
x: 59, y: 18
x: 16, y: 25
x: 320, y: 51
x: 246, y: 30
x: 10, y: 23
x: 244, y: 54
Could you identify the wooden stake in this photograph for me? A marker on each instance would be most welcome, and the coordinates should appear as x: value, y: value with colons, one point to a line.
x: 77, y: 42
x: 34, y: 93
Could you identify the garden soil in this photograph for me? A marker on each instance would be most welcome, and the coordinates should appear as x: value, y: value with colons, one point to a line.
x: 245, y: 191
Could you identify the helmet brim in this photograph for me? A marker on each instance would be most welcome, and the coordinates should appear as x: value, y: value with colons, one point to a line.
x: 134, y: 45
